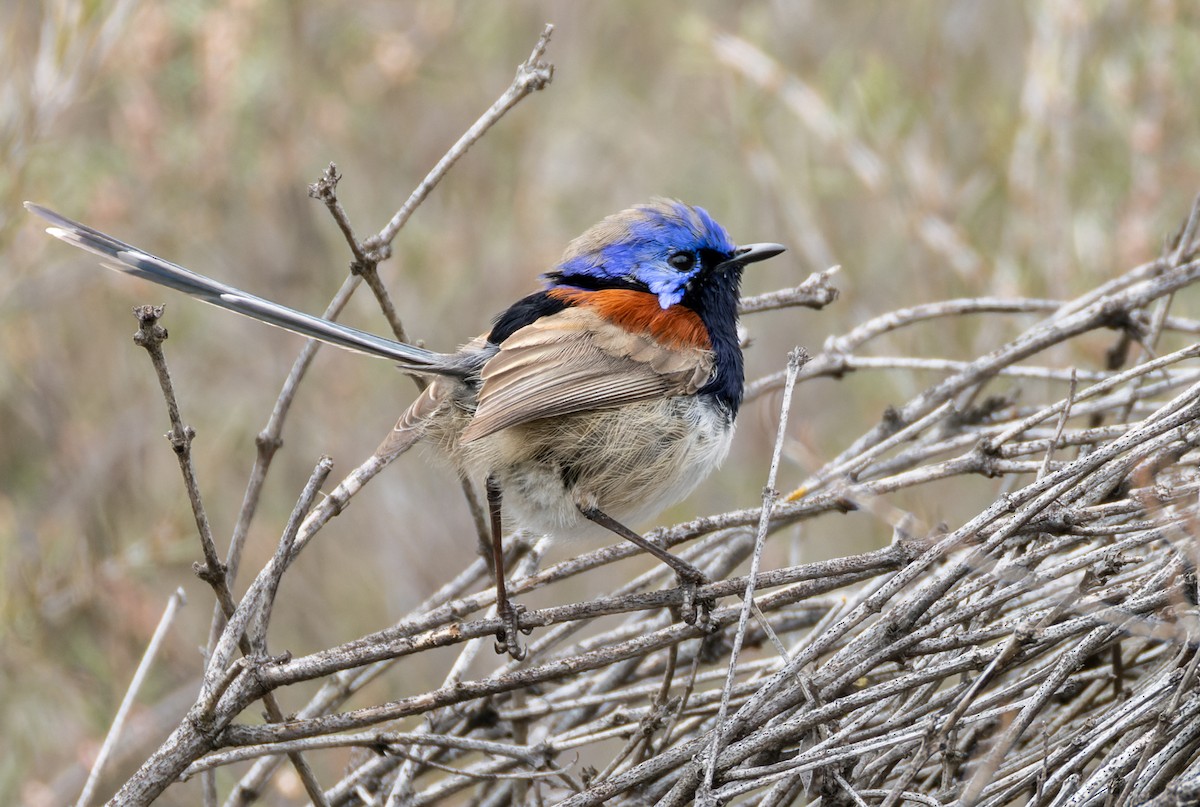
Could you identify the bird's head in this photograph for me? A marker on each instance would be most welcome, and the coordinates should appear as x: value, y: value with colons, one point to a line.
x: 665, y: 247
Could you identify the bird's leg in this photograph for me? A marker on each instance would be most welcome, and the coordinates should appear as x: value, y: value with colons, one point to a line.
x: 508, y: 611
x: 692, y: 611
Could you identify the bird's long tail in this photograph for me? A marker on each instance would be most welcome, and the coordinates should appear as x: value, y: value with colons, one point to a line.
x: 123, y: 257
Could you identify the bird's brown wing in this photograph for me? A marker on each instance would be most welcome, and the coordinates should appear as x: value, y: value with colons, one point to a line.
x: 575, y: 361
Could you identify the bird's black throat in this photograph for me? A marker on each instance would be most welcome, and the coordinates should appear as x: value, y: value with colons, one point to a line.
x: 714, y: 295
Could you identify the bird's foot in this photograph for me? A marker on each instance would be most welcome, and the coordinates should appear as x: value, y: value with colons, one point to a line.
x: 695, y: 610
x: 508, y: 637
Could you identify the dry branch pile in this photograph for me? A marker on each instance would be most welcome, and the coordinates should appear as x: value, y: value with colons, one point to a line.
x: 1042, y: 652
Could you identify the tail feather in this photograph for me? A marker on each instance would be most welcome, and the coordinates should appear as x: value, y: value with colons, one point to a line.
x: 125, y: 258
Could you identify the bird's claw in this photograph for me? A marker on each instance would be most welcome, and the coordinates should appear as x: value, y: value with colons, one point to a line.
x: 507, y: 638
x: 695, y: 610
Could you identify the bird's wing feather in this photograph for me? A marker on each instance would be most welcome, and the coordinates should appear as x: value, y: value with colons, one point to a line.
x: 576, y: 361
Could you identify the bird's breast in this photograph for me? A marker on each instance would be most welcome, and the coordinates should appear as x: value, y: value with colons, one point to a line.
x: 639, y: 312
x: 630, y: 462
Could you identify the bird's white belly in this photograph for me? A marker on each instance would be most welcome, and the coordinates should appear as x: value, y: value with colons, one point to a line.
x: 630, y: 462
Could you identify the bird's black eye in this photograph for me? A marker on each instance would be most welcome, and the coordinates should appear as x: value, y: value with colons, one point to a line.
x: 682, y: 261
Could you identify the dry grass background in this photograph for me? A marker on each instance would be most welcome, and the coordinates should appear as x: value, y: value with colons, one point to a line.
x: 934, y: 150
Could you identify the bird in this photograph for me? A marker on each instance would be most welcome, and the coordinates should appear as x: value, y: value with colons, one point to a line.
x: 590, y: 404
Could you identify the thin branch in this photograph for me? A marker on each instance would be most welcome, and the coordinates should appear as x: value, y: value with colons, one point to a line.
x: 380, y: 741
x: 135, y: 685
x: 532, y: 75
x: 796, y: 360
x: 817, y: 291
x: 150, y: 335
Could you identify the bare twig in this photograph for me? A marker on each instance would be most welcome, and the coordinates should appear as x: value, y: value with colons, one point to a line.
x: 139, y: 676
x: 150, y: 335
x: 532, y: 75
x: 817, y: 291
x: 796, y: 360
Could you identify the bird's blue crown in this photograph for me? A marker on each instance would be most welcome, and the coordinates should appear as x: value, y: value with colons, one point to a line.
x: 663, y: 246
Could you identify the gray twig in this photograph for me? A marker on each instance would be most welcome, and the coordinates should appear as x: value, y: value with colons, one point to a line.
x: 135, y: 685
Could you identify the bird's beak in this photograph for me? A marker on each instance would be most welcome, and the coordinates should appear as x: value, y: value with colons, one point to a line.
x: 752, y: 253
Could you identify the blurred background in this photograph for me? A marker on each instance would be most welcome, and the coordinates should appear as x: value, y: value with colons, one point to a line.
x: 932, y: 149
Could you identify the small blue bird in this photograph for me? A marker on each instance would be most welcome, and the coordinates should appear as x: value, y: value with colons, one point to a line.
x: 595, y: 402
